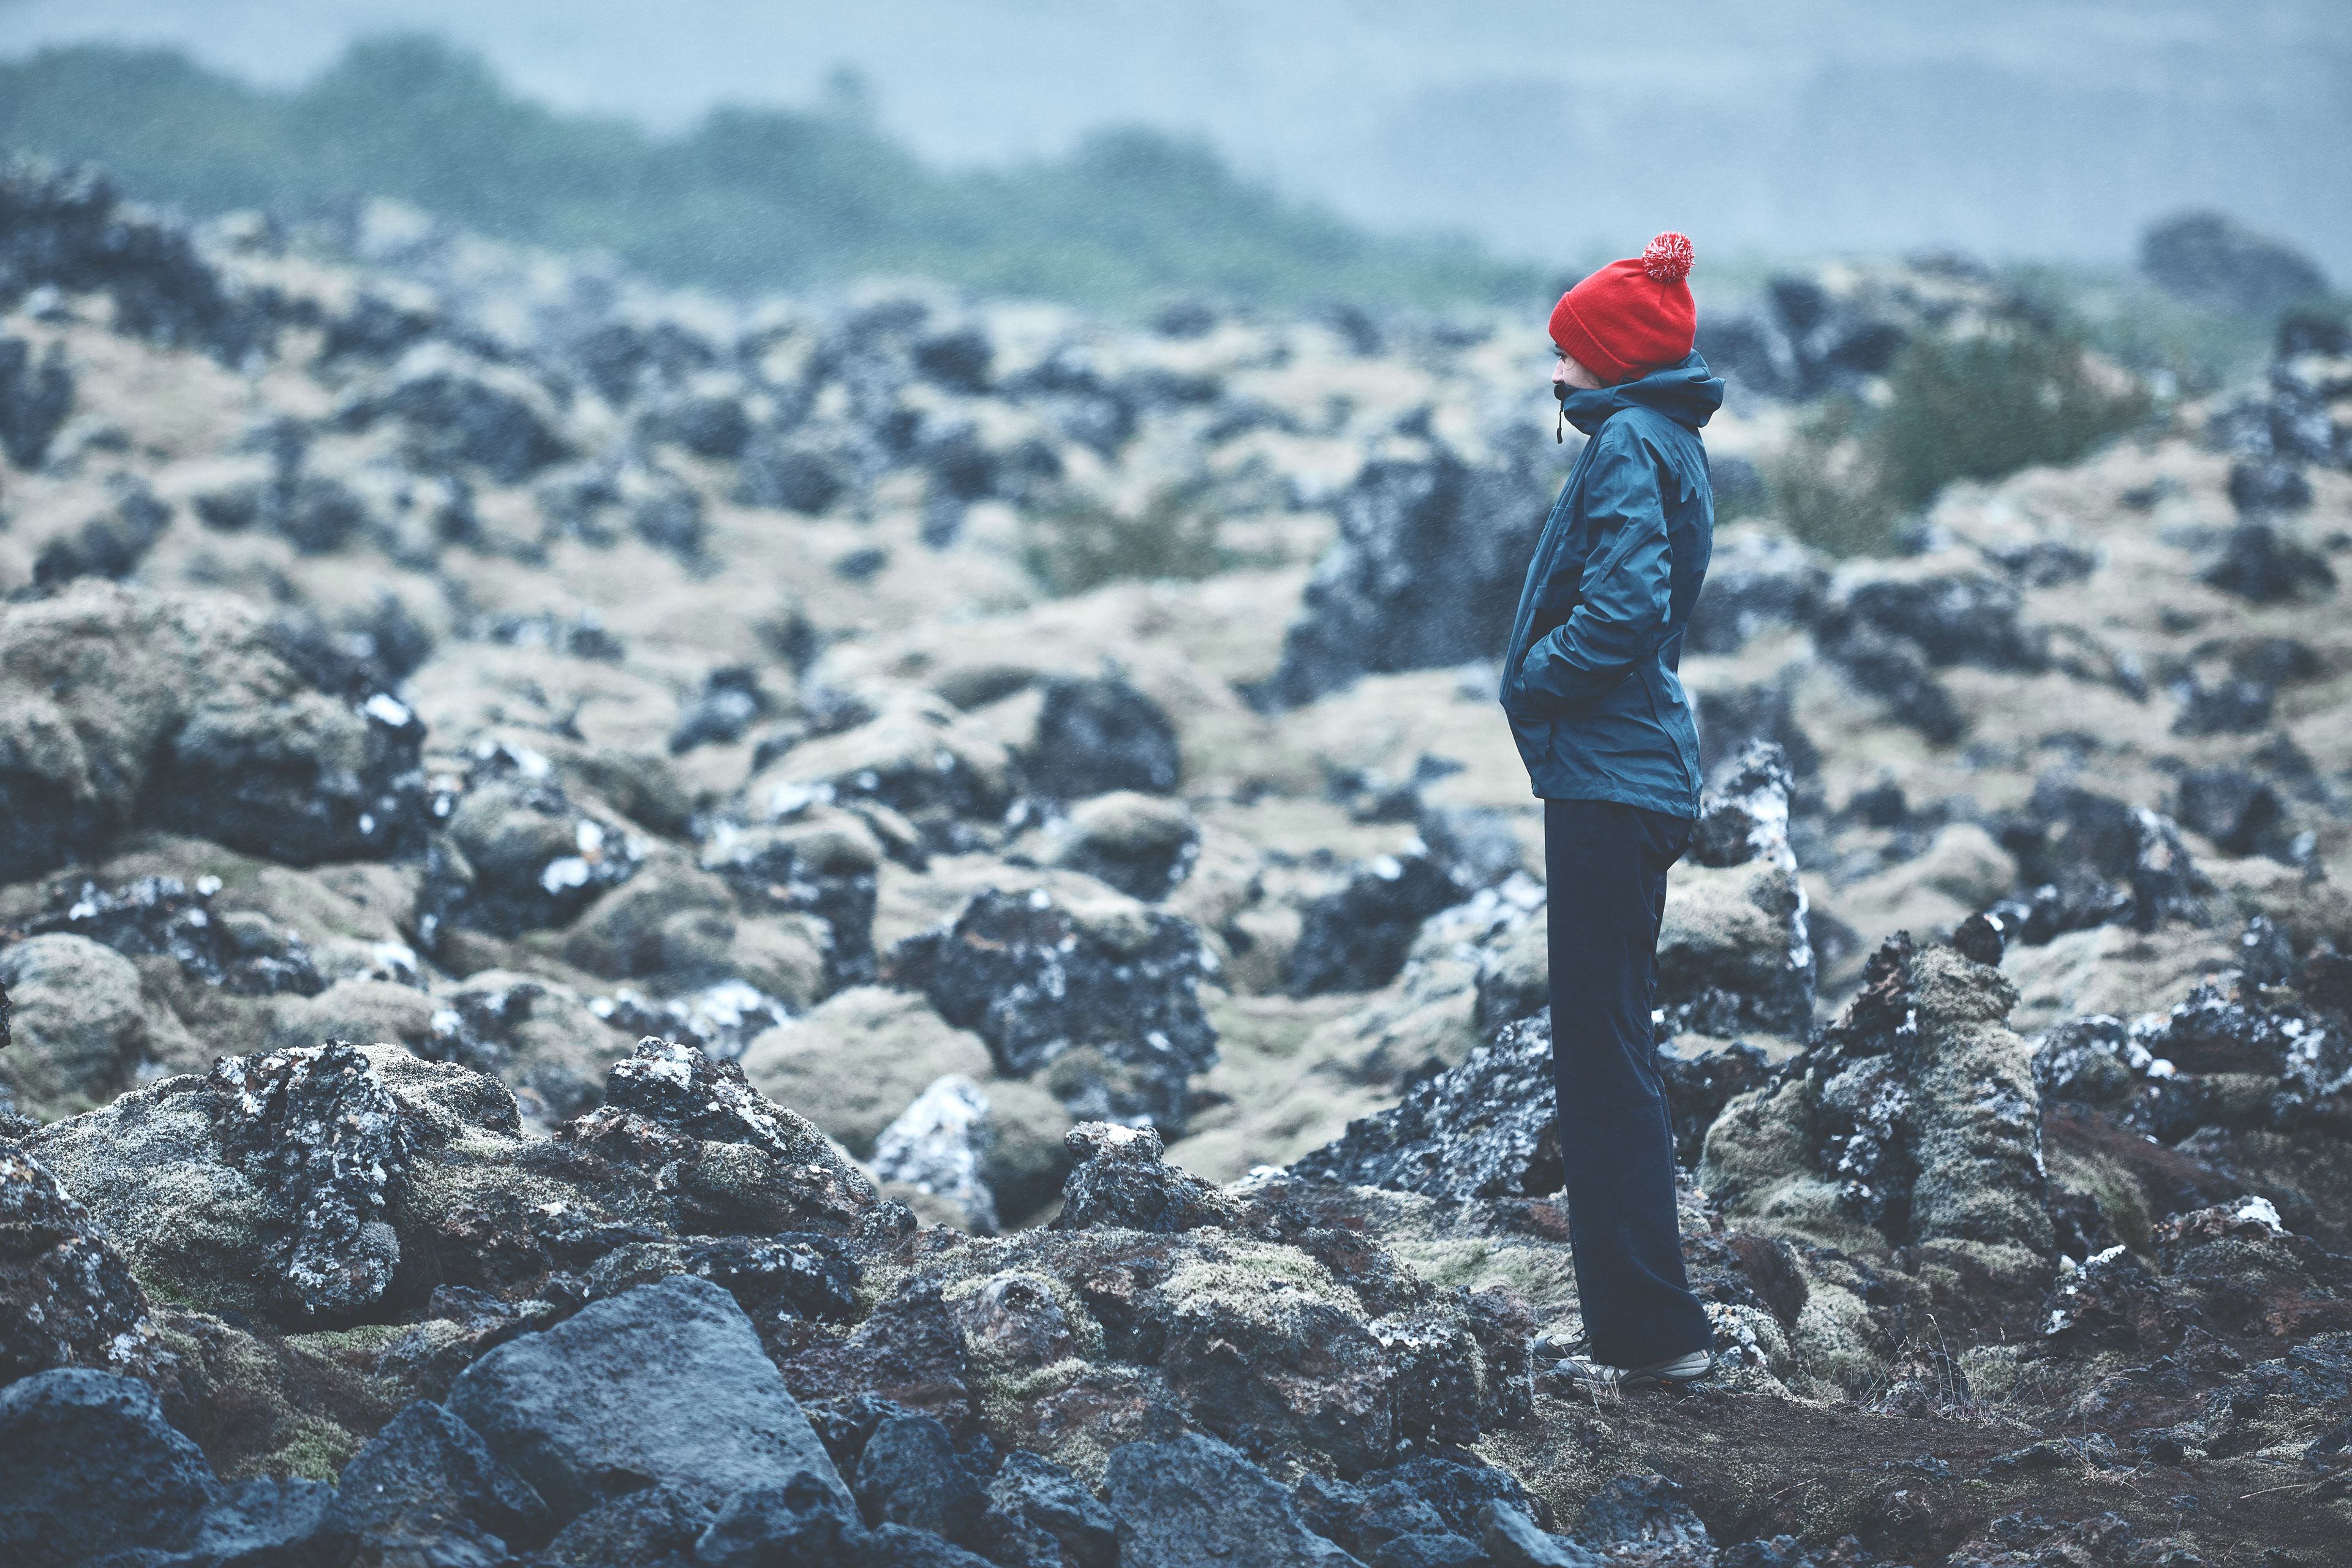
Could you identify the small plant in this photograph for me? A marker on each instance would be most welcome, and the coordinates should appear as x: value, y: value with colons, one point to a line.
x: 1829, y: 490
x: 1077, y: 543
x: 1984, y: 406
x: 1974, y: 407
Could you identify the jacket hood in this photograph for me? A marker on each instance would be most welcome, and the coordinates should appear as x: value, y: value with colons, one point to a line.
x: 1687, y: 394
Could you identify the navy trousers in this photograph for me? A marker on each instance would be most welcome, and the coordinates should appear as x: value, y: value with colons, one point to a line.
x: 1606, y: 867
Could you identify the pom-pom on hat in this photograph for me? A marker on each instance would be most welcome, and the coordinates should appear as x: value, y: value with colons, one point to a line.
x: 1632, y: 316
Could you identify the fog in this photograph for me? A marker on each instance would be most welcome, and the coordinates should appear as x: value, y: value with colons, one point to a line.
x: 1549, y: 129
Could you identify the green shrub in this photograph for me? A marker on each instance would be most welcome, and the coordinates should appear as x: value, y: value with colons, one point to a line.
x: 1975, y: 408
x: 1982, y: 407
x: 1829, y: 490
x: 1074, y: 544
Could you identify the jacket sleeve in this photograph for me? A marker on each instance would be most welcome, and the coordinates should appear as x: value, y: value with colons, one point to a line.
x: 1627, y: 577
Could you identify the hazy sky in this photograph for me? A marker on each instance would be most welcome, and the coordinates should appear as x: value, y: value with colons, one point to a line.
x: 2044, y: 126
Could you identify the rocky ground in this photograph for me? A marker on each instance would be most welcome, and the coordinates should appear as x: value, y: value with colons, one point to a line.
x: 619, y: 945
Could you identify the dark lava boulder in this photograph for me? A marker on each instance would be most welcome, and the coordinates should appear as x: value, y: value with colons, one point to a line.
x: 1892, y: 668
x: 1426, y: 572
x: 1050, y: 1512
x: 689, y: 1125
x: 730, y: 697
x: 795, y: 474
x: 88, y: 1467
x: 1040, y: 978
x: 709, y: 425
x: 35, y: 399
x: 1486, y: 1129
x: 316, y: 1129
x: 2259, y: 563
x: 2239, y: 812
x: 1732, y: 718
x: 240, y: 953
x: 657, y: 1527
x: 1802, y: 340
x: 2087, y: 859
x: 66, y: 1298
x: 663, y: 1383
x: 1193, y: 1502
x: 1426, y: 1509
x: 273, y: 1188
x: 428, y: 1483
x: 109, y: 545
x: 519, y: 854
x: 1356, y: 937
x: 917, y: 756
x: 910, y: 1474
x: 1122, y: 1179
x: 268, y: 1523
x: 2207, y: 260
x: 67, y: 230
x: 453, y: 411
x: 120, y: 708
x: 1101, y: 734
x: 1951, y: 616
x: 1143, y: 845
x: 805, y: 1523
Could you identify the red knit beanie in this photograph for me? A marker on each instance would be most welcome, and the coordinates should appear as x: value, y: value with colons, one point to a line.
x: 1632, y: 316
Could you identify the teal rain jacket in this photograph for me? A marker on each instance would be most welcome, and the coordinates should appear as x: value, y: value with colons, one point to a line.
x: 1589, y: 679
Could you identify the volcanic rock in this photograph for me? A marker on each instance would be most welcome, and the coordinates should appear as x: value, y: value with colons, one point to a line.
x: 908, y: 1474
x: 1142, y: 844
x: 1193, y: 1502
x: 1734, y: 949
x: 452, y: 412
x: 2259, y: 563
x: 67, y: 228
x: 1121, y: 1179
x: 1486, y: 1129
x: 820, y: 862
x: 2088, y: 860
x: 65, y: 1298
x: 264, y: 1521
x: 203, y: 726
x: 428, y: 1477
x: 1097, y: 735
x: 657, y: 1527
x: 939, y: 1145
x: 666, y: 1382
x: 1424, y: 573
x: 34, y: 400
x: 1755, y: 583
x: 1355, y: 938
x: 1915, y: 1116
x: 1032, y: 1491
x: 109, y: 545
x: 1038, y: 979
x: 2207, y: 260
x: 88, y: 1467
x: 81, y: 1031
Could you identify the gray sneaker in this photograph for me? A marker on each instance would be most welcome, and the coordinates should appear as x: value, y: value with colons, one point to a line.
x: 1578, y: 1372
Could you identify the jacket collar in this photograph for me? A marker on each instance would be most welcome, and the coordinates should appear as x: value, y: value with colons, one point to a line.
x: 1687, y: 394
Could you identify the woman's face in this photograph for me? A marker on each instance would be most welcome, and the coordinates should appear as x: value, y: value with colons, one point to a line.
x: 1567, y: 371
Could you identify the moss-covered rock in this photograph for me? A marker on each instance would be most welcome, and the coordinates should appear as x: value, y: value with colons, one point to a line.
x: 1914, y: 1120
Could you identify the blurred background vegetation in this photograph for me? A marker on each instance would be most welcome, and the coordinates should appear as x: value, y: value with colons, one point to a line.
x: 744, y: 200
x: 1972, y: 407
x: 1128, y: 219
